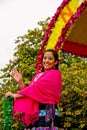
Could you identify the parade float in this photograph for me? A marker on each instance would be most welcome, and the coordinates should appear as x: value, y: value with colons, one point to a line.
x: 66, y: 32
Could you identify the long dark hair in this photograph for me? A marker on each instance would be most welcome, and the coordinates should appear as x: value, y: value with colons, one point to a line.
x: 55, y: 56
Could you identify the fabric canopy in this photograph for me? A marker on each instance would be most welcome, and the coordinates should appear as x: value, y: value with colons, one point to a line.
x: 76, y: 41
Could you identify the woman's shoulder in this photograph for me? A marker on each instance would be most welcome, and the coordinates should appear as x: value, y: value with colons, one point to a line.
x: 53, y: 72
x: 51, y: 76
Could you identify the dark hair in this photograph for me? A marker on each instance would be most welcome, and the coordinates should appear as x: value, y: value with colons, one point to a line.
x: 55, y: 56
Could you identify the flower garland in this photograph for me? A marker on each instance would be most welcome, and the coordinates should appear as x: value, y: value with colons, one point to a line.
x: 7, y: 113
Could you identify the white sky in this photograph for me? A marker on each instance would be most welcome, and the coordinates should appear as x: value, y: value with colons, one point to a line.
x: 16, y: 17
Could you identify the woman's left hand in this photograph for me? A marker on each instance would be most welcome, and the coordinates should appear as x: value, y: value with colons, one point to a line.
x: 9, y: 94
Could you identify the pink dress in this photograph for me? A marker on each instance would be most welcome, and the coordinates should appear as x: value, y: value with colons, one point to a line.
x: 45, y: 89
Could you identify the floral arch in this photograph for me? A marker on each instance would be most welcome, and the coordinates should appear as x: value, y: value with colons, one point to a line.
x: 67, y: 30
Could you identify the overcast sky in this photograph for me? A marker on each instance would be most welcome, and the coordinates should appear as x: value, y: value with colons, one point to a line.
x: 16, y: 17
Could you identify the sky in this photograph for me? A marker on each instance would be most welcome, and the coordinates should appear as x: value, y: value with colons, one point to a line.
x: 16, y: 17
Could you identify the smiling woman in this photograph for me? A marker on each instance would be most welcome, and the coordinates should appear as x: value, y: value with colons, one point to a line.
x: 41, y: 96
x: 50, y: 60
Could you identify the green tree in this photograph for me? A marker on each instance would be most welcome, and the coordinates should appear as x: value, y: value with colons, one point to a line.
x: 25, y: 54
x: 73, y: 104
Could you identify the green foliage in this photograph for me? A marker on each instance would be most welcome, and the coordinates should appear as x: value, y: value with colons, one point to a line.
x: 73, y: 104
x: 7, y: 114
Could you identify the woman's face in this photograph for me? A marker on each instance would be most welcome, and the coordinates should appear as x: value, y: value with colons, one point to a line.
x: 48, y: 61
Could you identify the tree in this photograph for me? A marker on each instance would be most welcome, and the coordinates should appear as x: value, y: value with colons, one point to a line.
x: 25, y: 53
x: 73, y: 104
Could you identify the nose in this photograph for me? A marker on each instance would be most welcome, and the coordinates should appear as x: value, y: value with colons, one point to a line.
x: 46, y: 59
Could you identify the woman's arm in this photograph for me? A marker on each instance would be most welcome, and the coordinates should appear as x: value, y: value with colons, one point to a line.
x: 21, y: 84
x: 13, y: 95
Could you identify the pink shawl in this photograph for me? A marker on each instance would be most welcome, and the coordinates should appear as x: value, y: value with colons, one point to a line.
x: 46, y: 90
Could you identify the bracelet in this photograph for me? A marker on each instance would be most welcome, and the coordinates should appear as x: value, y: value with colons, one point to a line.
x: 14, y: 96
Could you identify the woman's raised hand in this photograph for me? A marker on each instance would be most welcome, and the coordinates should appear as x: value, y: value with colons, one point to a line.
x: 16, y: 75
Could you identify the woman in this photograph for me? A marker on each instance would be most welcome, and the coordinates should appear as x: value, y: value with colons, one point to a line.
x: 42, y: 93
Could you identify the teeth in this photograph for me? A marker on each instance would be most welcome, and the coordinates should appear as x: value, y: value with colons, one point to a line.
x: 47, y: 64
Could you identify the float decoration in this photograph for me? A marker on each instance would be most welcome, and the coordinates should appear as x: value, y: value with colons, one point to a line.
x: 7, y: 113
x: 74, y: 35
x: 62, y: 30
